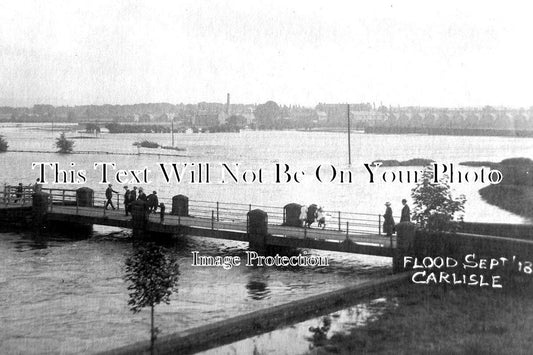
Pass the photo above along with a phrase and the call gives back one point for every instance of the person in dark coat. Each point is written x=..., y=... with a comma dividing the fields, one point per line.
x=153, y=202
x=311, y=215
x=133, y=194
x=406, y=212
x=19, y=192
x=37, y=187
x=142, y=195
x=109, y=196
x=388, y=223
x=127, y=200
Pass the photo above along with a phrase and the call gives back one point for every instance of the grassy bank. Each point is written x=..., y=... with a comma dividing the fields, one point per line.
x=439, y=320
x=513, y=198
x=515, y=192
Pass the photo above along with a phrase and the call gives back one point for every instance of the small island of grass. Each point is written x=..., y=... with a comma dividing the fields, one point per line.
x=154, y=145
x=410, y=162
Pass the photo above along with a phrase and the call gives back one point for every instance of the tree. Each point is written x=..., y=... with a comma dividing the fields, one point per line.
x=3, y=145
x=267, y=114
x=64, y=145
x=153, y=275
x=434, y=207
x=71, y=116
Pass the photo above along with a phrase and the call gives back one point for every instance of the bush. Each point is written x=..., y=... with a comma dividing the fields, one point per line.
x=3, y=145
x=434, y=206
x=64, y=145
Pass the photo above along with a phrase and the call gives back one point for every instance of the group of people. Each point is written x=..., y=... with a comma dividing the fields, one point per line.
x=130, y=196
x=389, y=227
x=310, y=214
x=19, y=191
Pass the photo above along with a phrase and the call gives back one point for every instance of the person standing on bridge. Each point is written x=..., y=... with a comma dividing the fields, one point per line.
x=321, y=217
x=127, y=200
x=406, y=212
x=37, y=187
x=109, y=196
x=303, y=215
x=18, y=194
x=388, y=223
x=142, y=195
x=153, y=202
x=133, y=194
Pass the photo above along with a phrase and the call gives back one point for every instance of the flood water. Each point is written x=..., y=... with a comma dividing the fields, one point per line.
x=66, y=294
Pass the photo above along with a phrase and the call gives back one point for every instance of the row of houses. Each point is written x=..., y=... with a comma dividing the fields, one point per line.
x=468, y=118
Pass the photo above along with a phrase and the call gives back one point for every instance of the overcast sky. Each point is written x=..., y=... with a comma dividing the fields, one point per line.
x=458, y=53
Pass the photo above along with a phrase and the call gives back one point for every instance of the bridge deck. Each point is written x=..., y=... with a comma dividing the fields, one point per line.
x=235, y=230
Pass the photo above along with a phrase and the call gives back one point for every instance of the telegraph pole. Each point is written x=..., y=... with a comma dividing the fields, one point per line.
x=172, y=131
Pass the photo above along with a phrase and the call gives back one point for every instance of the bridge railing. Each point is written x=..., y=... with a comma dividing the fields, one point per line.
x=66, y=197
x=16, y=195
x=347, y=222
x=354, y=223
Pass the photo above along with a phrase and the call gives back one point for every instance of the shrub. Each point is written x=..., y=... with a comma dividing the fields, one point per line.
x=64, y=145
x=434, y=206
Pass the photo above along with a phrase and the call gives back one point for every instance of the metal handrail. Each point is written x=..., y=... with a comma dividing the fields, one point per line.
x=215, y=210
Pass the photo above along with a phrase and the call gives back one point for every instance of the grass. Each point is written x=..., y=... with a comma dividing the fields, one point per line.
x=513, y=198
x=440, y=320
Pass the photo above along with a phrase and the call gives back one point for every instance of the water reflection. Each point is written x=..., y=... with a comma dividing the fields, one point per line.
x=302, y=337
x=320, y=333
x=35, y=242
x=76, y=285
x=258, y=290
x=151, y=272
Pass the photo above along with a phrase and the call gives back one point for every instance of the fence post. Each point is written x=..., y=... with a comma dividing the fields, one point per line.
x=212, y=220
x=339, y=214
x=305, y=232
x=105, y=208
x=379, y=224
x=217, y=211
x=249, y=207
x=347, y=229
x=118, y=201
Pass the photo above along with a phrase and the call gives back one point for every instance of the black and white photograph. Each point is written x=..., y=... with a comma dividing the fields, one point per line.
x=266, y=177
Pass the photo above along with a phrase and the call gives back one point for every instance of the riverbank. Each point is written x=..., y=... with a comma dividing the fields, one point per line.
x=515, y=192
x=513, y=198
x=459, y=320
